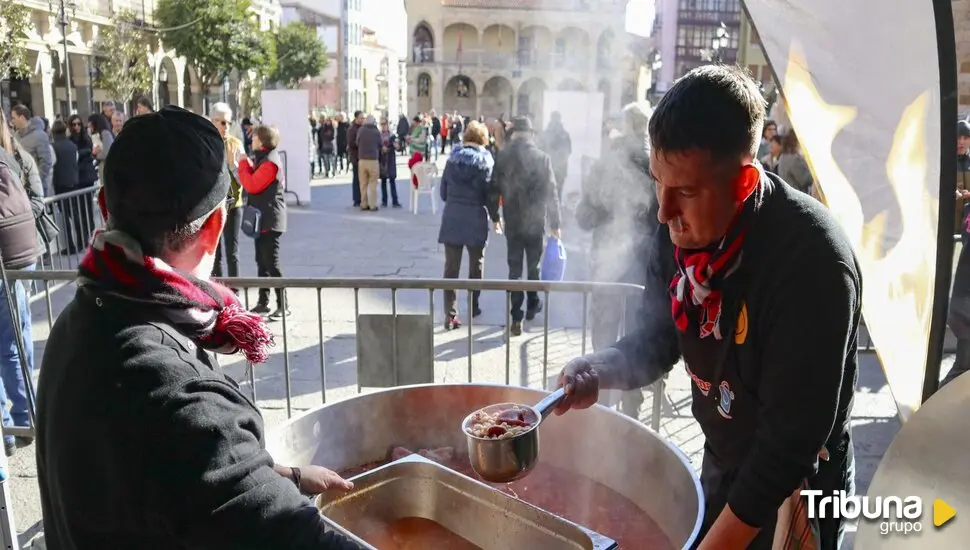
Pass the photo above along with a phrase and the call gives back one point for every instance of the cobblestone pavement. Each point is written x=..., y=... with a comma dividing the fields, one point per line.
x=330, y=239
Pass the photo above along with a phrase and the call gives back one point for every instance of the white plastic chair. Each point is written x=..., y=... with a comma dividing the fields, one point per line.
x=426, y=172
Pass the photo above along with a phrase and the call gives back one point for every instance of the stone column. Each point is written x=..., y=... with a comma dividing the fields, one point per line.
x=84, y=88
x=438, y=88
x=180, y=82
x=45, y=65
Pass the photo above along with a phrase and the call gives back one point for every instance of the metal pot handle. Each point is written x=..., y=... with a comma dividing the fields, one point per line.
x=549, y=402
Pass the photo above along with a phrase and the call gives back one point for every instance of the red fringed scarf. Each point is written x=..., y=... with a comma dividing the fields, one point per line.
x=205, y=311
x=696, y=288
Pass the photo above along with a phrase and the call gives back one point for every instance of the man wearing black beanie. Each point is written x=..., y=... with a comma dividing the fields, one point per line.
x=179, y=459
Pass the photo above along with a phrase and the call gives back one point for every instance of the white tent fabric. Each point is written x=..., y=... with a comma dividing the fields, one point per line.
x=862, y=83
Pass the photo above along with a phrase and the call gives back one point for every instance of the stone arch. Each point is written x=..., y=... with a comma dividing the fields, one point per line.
x=497, y=97
x=604, y=87
x=461, y=94
x=460, y=44
x=572, y=48
x=604, y=50
x=423, y=43
x=166, y=83
x=535, y=46
x=425, y=87
x=530, y=99
x=571, y=85
x=499, y=43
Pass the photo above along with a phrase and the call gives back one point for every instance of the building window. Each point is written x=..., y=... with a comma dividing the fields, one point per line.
x=695, y=41
x=424, y=85
x=713, y=11
x=423, y=45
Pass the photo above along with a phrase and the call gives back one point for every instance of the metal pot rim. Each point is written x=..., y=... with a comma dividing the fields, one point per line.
x=679, y=454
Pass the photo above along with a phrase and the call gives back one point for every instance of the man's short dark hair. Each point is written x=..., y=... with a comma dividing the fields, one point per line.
x=358, y=113
x=146, y=103
x=59, y=128
x=715, y=108
x=21, y=111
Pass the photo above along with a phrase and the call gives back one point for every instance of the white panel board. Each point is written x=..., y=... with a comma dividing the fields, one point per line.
x=288, y=111
x=582, y=117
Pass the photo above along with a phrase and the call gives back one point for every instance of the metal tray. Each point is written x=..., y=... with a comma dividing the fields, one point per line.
x=417, y=487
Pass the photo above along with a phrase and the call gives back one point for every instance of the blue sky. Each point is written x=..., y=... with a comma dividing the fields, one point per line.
x=390, y=22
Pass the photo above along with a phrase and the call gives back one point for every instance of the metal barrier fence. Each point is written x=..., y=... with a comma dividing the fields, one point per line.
x=77, y=216
x=581, y=291
x=299, y=290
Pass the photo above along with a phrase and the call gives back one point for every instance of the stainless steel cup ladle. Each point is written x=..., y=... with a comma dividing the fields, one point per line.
x=508, y=459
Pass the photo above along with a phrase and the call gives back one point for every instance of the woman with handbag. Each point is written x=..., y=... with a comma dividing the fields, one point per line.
x=264, y=218
x=13, y=390
x=17, y=157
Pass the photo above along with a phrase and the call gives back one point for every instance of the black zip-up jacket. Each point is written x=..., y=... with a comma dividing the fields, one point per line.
x=779, y=387
x=65, y=167
x=178, y=461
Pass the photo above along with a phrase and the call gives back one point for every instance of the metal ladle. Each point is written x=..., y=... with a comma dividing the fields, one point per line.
x=508, y=459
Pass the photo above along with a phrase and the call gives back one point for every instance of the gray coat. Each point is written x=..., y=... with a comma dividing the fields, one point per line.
x=793, y=168
x=464, y=187
x=34, y=139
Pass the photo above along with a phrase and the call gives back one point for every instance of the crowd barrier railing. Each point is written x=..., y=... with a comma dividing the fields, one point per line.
x=299, y=291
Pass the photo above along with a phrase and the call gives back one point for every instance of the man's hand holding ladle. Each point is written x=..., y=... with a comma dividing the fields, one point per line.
x=582, y=384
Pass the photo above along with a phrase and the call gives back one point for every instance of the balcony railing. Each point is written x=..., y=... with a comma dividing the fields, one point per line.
x=523, y=59
x=712, y=17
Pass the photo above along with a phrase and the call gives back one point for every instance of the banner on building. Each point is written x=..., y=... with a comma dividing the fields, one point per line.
x=871, y=93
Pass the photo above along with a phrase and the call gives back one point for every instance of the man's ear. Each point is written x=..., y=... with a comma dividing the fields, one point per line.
x=212, y=230
x=747, y=181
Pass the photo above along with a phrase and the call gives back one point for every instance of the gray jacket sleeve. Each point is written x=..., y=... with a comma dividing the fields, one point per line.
x=652, y=349
x=38, y=146
x=106, y=140
x=552, y=193
x=31, y=178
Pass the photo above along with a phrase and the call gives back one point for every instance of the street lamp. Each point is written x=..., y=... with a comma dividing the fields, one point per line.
x=63, y=8
x=721, y=41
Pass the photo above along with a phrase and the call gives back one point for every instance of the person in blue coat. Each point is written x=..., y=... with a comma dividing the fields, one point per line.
x=464, y=223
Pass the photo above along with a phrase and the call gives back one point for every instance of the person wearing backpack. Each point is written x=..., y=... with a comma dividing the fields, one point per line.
x=19, y=249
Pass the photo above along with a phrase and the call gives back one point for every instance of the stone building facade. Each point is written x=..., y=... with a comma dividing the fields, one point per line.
x=44, y=90
x=495, y=57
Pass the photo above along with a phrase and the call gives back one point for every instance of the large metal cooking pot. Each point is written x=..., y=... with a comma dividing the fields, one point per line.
x=598, y=443
x=928, y=459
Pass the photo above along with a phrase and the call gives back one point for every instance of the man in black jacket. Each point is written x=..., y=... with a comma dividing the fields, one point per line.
x=524, y=179
x=179, y=461
x=756, y=286
x=65, y=181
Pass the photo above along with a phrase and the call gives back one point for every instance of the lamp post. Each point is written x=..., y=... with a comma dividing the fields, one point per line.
x=63, y=7
x=721, y=41
x=655, y=67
